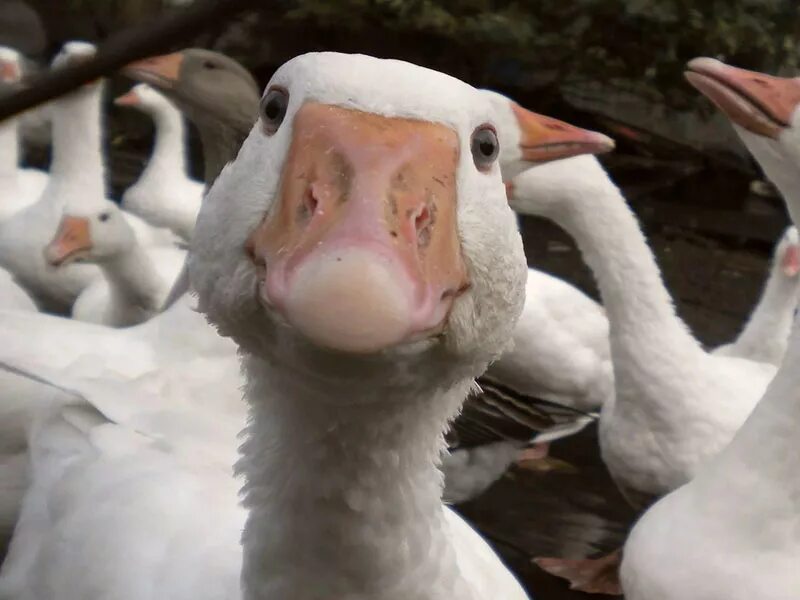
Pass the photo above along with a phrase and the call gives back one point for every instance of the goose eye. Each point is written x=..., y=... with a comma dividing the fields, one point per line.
x=273, y=109
x=209, y=65
x=104, y=217
x=485, y=147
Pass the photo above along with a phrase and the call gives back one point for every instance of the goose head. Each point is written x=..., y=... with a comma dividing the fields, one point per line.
x=363, y=224
x=10, y=66
x=787, y=253
x=765, y=115
x=73, y=53
x=92, y=234
x=206, y=85
x=529, y=138
x=145, y=98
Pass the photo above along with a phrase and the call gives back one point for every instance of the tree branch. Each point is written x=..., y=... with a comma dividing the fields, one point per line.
x=154, y=37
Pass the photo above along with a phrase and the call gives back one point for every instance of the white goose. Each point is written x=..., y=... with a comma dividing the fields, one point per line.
x=734, y=531
x=429, y=292
x=675, y=405
x=766, y=334
x=76, y=173
x=164, y=194
x=136, y=280
x=19, y=187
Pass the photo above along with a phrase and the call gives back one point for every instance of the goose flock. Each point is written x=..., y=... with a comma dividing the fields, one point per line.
x=270, y=384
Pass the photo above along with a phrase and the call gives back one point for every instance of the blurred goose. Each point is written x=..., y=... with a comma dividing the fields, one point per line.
x=217, y=94
x=136, y=279
x=164, y=194
x=675, y=405
x=76, y=174
x=734, y=531
x=427, y=303
x=19, y=187
x=766, y=334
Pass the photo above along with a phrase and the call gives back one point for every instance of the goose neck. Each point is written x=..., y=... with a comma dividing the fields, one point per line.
x=169, y=153
x=345, y=499
x=9, y=150
x=133, y=279
x=639, y=307
x=77, y=138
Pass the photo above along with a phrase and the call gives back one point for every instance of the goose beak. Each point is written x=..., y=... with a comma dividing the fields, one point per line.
x=544, y=139
x=160, y=71
x=71, y=242
x=361, y=250
x=9, y=72
x=130, y=98
x=761, y=104
x=790, y=262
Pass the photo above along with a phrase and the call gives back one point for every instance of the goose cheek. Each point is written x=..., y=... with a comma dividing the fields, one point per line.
x=362, y=250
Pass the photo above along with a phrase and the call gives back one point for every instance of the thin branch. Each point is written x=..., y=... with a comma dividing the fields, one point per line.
x=155, y=37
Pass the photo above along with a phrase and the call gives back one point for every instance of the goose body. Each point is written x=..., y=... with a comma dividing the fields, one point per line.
x=12, y=296
x=361, y=408
x=675, y=405
x=136, y=279
x=164, y=194
x=732, y=532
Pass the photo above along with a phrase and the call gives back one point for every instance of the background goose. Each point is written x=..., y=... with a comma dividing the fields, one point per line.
x=19, y=187
x=732, y=532
x=164, y=194
x=376, y=496
x=75, y=171
x=674, y=405
x=766, y=334
x=136, y=279
x=217, y=94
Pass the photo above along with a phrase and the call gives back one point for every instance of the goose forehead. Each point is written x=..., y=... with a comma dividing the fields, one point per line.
x=387, y=87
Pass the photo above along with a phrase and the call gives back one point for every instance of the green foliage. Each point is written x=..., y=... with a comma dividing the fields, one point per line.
x=637, y=43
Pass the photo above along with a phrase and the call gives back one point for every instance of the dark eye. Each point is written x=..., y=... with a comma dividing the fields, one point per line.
x=485, y=147
x=209, y=65
x=273, y=109
x=104, y=217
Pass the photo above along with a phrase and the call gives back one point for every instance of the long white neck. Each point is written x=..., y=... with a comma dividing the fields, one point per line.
x=758, y=470
x=9, y=150
x=345, y=500
x=134, y=282
x=169, y=153
x=765, y=334
x=645, y=328
x=77, y=142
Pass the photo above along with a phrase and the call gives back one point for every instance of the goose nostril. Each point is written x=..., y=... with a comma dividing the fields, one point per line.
x=308, y=207
x=423, y=222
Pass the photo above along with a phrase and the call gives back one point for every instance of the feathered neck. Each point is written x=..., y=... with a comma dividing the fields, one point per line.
x=757, y=472
x=643, y=321
x=764, y=336
x=169, y=151
x=9, y=150
x=345, y=499
x=77, y=141
x=133, y=280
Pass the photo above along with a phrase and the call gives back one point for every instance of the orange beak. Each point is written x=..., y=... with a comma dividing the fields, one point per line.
x=761, y=104
x=790, y=262
x=360, y=251
x=9, y=72
x=130, y=98
x=161, y=71
x=544, y=138
x=71, y=242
